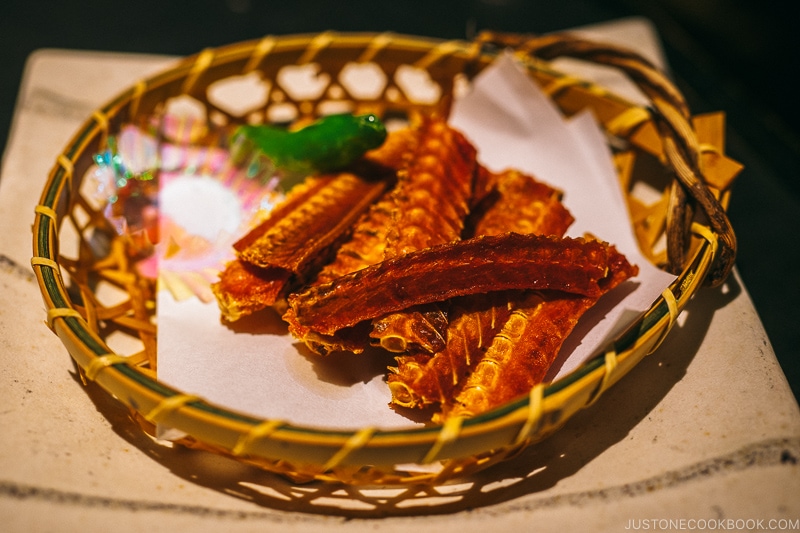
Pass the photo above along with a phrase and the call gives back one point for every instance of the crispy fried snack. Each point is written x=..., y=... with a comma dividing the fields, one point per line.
x=518, y=202
x=435, y=166
x=431, y=203
x=295, y=198
x=435, y=274
x=524, y=350
x=431, y=200
x=244, y=289
x=511, y=201
x=293, y=241
x=420, y=380
x=421, y=250
x=367, y=242
x=298, y=239
x=285, y=249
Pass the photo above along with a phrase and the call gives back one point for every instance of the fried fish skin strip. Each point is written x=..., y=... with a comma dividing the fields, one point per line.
x=511, y=201
x=438, y=273
x=297, y=196
x=365, y=247
x=431, y=203
x=522, y=353
x=377, y=164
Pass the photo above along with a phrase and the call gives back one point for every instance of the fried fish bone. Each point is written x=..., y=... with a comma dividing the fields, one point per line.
x=520, y=356
x=438, y=273
x=511, y=201
x=520, y=203
x=427, y=206
x=420, y=380
x=293, y=241
x=243, y=289
x=297, y=240
x=367, y=242
x=431, y=203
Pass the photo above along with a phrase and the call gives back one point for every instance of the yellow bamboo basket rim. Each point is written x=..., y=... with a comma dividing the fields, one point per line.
x=368, y=454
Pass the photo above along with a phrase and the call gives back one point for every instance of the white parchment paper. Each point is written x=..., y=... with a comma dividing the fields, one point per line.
x=256, y=367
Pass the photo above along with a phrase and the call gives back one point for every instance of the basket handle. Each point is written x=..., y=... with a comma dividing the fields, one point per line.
x=672, y=118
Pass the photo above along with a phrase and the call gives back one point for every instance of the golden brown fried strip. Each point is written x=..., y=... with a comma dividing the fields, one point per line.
x=243, y=289
x=427, y=206
x=299, y=239
x=432, y=201
x=365, y=246
x=367, y=243
x=292, y=242
x=511, y=201
x=522, y=353
x=420, y=380
x=435, y=274
x=520, y=203
x=297, y=196
x=430, y=205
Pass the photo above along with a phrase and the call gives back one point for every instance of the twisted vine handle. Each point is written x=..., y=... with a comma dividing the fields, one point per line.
x=672, y=118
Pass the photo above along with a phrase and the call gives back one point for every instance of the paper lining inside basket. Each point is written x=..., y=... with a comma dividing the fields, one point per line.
x=256, y=367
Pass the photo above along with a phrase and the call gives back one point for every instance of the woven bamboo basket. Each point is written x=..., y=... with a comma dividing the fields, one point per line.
x=685, y=231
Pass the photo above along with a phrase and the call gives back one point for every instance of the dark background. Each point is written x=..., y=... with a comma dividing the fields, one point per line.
x=739, y=56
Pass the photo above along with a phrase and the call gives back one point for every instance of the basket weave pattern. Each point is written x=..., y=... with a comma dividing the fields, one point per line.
x=692, y=173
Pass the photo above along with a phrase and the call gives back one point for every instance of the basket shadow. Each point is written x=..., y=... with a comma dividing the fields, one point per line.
x=587, y=435
x=537, y=468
